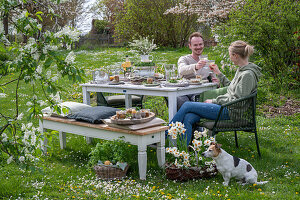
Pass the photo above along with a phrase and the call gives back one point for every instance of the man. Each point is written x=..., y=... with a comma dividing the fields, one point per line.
x=190, y=65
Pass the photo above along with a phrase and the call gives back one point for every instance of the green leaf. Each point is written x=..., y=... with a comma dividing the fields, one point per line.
x=40, y=18
x=48, y=62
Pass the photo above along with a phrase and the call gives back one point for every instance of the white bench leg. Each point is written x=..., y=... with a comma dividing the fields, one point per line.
x=88, y=140
x=44, y=142
x=160, y=151
x=44, y=145
x=62, y=139
x=142, y=160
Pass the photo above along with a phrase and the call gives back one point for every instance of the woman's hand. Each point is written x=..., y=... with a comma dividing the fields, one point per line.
x=200, y=64
x=208, y=101
x=215, y=68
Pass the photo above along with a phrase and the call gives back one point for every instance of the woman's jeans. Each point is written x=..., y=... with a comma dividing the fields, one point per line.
x=192, y=112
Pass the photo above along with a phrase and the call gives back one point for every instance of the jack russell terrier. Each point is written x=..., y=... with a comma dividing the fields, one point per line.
x=231, y=167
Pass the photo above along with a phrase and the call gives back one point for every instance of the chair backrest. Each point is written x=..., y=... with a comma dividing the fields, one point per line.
x=241, y=113
x=101, y=101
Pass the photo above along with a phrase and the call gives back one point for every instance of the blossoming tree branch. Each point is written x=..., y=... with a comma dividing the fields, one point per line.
x=38, y=64
x=211, y=11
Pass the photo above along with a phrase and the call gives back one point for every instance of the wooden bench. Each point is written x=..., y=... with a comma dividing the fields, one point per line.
x=141, y=138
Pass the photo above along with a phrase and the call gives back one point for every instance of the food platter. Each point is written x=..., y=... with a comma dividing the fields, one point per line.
x=116, y=83
x=180, y=84
x=129, y=121
x=152, y=85
x=195, y=83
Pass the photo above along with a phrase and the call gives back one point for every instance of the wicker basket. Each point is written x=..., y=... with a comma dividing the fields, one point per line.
x=107, y=172
x=180, y=174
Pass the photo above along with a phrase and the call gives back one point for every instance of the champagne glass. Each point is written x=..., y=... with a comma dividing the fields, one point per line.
x=211, y=62
x=203, y=57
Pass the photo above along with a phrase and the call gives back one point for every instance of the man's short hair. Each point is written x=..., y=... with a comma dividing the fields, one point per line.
x=195, y=34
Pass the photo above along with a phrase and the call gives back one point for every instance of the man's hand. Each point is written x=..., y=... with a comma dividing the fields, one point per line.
x=208, y=101
x=200, y=64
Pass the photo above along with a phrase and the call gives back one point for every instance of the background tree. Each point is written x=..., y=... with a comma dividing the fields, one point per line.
x=146, y=18
x=110, y=9
x=52, y=15
x=272, y=26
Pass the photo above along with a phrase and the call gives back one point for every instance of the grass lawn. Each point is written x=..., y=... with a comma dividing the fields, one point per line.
x=66, y=175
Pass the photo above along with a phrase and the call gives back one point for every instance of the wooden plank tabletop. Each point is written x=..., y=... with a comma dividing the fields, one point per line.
x=145, y=131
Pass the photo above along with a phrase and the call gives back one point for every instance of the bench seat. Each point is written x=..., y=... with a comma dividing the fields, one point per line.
x=142, y=137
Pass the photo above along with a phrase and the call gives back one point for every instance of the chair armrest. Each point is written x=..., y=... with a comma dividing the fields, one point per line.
x=240, y=99
x=210, y=94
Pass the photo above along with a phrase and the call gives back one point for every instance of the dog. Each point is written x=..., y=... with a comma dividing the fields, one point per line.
x=232, y=167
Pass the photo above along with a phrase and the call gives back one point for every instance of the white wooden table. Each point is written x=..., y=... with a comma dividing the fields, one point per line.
x=129, y=89
x=142, y=138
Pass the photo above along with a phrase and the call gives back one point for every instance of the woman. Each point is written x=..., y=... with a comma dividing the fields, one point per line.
x=243, y=84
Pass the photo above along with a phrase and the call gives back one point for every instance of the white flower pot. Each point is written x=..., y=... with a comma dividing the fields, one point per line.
x=146, y=58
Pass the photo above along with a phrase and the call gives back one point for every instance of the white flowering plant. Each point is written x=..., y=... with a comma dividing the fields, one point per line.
x=37, y=64
x=144, y=46
x=183, y=156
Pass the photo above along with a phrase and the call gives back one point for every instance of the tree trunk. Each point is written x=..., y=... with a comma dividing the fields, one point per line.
x=5, y=24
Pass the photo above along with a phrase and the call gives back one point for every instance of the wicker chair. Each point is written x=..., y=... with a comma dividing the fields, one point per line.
x=118, y=101
x=242, y=118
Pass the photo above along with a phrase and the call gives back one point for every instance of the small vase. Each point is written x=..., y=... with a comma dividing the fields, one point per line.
x=146, y=58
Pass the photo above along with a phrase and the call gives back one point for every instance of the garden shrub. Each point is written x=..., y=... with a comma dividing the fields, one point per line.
x=272, y=27
x=101, y=26
x=114, y=151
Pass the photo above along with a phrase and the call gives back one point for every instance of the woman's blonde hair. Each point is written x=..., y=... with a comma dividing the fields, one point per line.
x=241, y=48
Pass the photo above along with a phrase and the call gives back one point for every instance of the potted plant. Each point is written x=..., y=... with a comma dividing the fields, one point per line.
x=110, y=158
x=144, y=47
x=185, y=162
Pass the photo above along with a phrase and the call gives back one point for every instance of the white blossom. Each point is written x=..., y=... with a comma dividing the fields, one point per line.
x=27, y=27
x=39, y=69
x=41, y=102
x=67, y=31
x=70, y=58
x=33, y=139
x=143, y=45
x=39, y=26
x=29, y=125
x=4, y=137
x=23, y=14
x=22, y=158
x=27, y=78
x=9, y=160
x=3, y=38
x=2, y=95
x=207, y=142
x=54, y=78
x=20, y=116
x=48, y=74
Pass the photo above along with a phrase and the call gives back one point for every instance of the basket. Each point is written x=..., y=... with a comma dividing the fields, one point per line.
x=107, y=172
x=181, y=174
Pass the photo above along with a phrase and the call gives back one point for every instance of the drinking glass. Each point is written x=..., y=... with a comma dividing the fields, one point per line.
x=169, y=71
x=211, y=62
x=203, y=57
x=100, y=76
